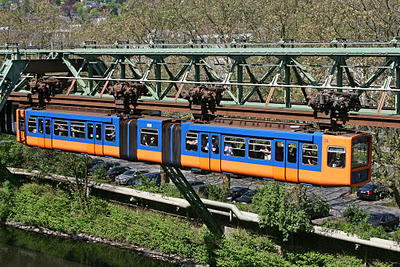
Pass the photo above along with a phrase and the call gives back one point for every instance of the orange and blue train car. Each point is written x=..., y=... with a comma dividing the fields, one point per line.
x=286, y=154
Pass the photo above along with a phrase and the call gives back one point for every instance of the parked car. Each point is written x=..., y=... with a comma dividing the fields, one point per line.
x=129, y=175
x=386, y=220
x=150, y=176
x=198, y=186
x=372, y=191
x=199, y=171
x=114, y=172
x=94, y=161
x=236, y=192
x=246, y=198
x=105, y=165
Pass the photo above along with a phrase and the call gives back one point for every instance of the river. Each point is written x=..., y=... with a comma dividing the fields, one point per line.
x=20, y=248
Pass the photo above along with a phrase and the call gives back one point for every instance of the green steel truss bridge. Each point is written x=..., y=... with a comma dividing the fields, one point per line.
x=259, y=80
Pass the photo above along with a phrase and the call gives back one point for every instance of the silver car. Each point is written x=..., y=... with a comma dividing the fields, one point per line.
x=129, y=176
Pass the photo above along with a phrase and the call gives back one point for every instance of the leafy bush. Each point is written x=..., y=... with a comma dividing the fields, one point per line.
x=279, y=208
x=354, y=214
x=245, y=249
x=6, y=195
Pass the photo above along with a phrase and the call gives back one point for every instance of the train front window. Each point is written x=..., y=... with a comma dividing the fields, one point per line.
x=336, y=157
x=360, y=153
x=310, y=154
x=61, y=128
x=191, y=142
x=77, y=129
x=31, y=125
x=110, y=133
x=259, y=149
x=149, y=137
x=234, y=146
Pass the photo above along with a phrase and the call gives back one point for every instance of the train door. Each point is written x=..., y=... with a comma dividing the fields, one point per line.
x=40, y=131
x=279, y=159
x=215, y=156
x=98, y=140
x=48, y=142
x=204, y=155
x=292, y=161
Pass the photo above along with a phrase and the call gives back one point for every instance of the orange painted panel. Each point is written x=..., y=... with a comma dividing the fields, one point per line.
x=111, y=151
x=215, y=165
x=48, y=143
x=204, y=163
x=190, y=161
x=98, y=149
x=247, y=169
x=151, y=156
x=292, y=175
x=21, y=137
x=279, y=174
x=336, y=176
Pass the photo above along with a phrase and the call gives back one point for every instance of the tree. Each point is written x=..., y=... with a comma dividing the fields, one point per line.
x=386, y=158
x=281, y=206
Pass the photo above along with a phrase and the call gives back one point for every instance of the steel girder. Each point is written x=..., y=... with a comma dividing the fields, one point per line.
x=250, y=75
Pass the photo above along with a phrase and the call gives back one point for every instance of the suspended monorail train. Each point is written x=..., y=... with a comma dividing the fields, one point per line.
x=261, y=149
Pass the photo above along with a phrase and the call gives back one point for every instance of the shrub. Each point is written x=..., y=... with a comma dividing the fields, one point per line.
x=354, y=214
x=279, y=208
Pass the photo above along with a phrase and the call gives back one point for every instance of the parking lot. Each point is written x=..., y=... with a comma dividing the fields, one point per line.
x=339, y=198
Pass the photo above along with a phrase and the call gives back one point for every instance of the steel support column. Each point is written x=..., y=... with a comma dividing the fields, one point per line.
x=190, y=195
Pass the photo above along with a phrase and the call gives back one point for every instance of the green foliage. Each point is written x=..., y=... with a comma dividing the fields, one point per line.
x=354, y=214
x=316, y=204
x=245, y=249
x=6, y=198
x=312, y=258
x=279, y=208
x=215, y=192
x=99, y=173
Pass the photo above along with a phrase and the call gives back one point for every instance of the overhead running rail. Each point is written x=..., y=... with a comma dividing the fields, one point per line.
x=268, y=76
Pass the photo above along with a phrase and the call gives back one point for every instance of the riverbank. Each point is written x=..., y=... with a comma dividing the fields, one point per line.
x=45, y=209
x=93, y=239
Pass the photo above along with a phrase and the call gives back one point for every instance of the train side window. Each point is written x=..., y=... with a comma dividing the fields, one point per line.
x=234, y=146
x=336, y=156
x=90, y=131
x=215, y=144
x=110, y=133
x=21, y=126
x=204, y=143
x=98, y=131
x=149, y=137
x=40, y=126
x=48, y=127
x=310, y=154
x=260, y=149
x=32, y=125
x=61, y=128
x=191, y=141
x=77, y=129
x=292, y=152
x=279, y=146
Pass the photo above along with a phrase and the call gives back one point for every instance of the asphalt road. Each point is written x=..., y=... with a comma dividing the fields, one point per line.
x=339, y=198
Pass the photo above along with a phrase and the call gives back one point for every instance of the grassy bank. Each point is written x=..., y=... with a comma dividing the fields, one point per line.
x=43, y=206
